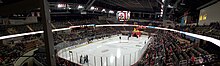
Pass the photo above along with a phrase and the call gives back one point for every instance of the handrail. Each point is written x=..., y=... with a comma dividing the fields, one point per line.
x=28, y=54
x=38, y=62
x=25, y=61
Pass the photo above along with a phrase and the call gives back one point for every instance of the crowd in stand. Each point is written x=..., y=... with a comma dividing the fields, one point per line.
x=15, y=29
x=211, y=30
x=11, y=51
x=162, y=51
x=8, y=54
x=165, y=51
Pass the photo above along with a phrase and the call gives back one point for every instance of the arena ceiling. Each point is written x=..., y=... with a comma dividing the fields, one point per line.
x=181, y=6
x=135, y=5
x=131, y=5
x=141, y=5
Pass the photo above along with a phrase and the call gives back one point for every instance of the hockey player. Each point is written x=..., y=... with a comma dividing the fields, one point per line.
x=87, y=59
x=129, y=34
x=81, y=59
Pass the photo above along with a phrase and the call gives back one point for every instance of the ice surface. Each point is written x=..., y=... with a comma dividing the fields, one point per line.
x=109, y=51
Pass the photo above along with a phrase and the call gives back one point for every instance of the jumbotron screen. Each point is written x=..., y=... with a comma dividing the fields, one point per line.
x=123, y=15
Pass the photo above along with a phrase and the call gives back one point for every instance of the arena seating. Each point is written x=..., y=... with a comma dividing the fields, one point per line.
x=172, y=53
x=9, y=53
x=177, y=52
x=211, y=30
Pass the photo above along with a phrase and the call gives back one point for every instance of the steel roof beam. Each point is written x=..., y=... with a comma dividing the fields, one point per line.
x=119, y=4
x=165, y=9
x=207, y=4
x=90, y=4
x=161, y=3
x=18, y=7
x=48, y=35
x=175, y=5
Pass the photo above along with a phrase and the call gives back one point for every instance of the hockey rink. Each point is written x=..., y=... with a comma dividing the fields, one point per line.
x=108, y=52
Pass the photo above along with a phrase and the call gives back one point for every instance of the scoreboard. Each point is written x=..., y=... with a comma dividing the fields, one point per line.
x=123, y=15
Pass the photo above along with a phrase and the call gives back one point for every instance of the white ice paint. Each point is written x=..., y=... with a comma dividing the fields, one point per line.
x=109, y=48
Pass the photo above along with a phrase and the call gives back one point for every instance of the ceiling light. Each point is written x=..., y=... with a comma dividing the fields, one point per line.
x=111, y=12
x=80, y=7
x=169, y=6
x=103, y=10
x=97, y=9
x=61, y=5
x=163, y=1
x=92, y=8
x=182, y=4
